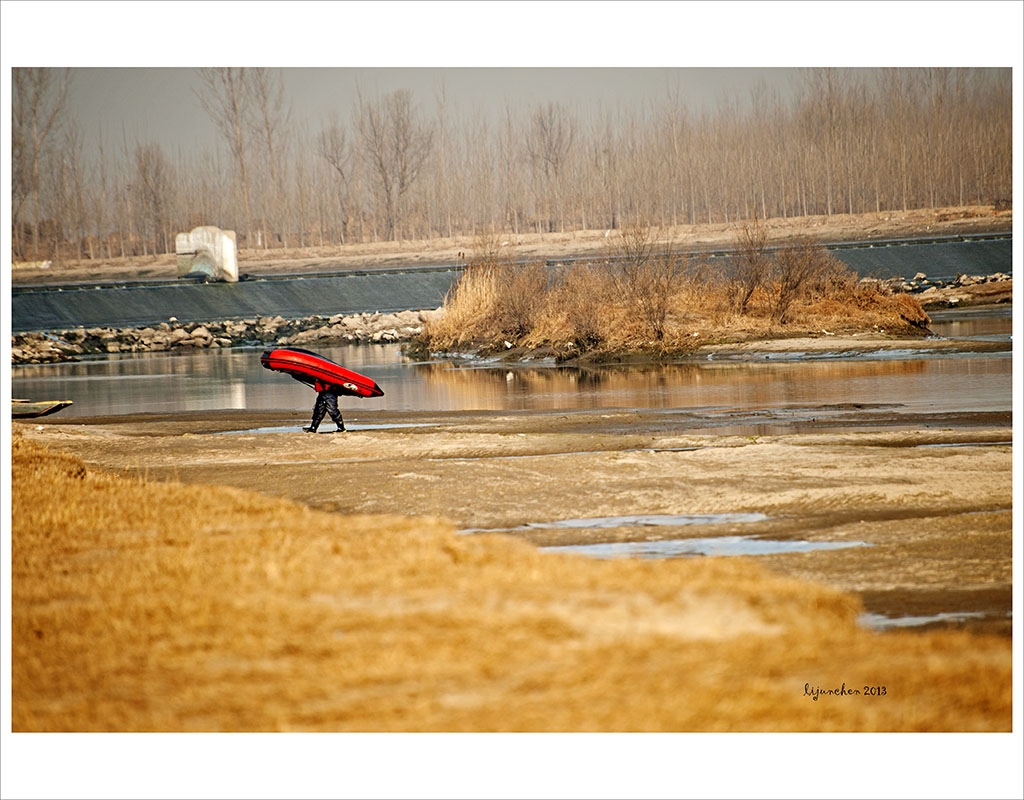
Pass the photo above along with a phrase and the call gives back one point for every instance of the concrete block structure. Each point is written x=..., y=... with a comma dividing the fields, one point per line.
x=208, y=250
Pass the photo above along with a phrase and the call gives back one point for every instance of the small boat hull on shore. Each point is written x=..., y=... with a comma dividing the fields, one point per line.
x=310, y=368
x=26, y=409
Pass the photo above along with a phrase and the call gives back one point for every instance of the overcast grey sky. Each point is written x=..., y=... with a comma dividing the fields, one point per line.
x=160, y=104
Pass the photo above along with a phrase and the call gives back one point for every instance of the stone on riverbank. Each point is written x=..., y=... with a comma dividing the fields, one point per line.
x=65, y=345
x=964, y=290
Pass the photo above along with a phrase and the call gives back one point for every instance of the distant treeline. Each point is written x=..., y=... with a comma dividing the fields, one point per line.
x=847, y=142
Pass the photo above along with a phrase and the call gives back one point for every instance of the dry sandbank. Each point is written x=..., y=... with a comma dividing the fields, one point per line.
x=176, y=603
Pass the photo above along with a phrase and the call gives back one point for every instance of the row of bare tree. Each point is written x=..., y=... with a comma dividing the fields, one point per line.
x=847, y=142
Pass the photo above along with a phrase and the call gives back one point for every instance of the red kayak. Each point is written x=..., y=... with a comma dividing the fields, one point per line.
x=312, y=369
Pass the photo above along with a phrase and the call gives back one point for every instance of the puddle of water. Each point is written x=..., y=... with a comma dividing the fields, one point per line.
x=713, y=546
x=880, y=622
x=633, y=520
x=674, y=548
x=982, y=324
x=328, y=429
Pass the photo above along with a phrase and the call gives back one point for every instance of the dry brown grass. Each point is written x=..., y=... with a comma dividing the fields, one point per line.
x=494, y=302
x=659, y=305
x=160, y=606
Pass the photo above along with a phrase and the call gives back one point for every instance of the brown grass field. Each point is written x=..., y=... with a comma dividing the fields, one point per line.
x=159, y=606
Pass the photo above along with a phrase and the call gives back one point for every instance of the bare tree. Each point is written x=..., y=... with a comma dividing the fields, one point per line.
x=851, y=141
x=225, y=95
x=509, y=173
x=151, y=189
x=269, y=121
x=607, y=160
x=899, y=99
x=300, y=195
x=332, y=145
x=75, y=180
x=39, y=99
x=548, y=144
x=395, y=146
x=752, y=264
x=443, y=181
x=101, y=210
x=271, y=115
x=824, y=109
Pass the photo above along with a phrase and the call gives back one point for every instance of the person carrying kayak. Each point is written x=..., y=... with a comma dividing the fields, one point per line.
x=326, y=377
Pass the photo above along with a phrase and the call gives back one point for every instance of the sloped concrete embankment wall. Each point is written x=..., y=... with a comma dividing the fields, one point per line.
x=296, y=297
x=397, y=290
x=938, y=260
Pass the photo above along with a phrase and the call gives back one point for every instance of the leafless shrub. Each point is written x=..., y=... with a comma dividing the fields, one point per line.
x=653, y=288
x=648, y=275
x=753, y=263
x=635, y=245
x=794, y=271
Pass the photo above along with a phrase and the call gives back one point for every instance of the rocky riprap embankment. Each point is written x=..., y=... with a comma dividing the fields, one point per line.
x=964, y=290
x=67, y=345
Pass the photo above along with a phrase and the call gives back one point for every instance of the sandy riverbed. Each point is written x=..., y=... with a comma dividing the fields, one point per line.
x=188, y=602
x=918, y=496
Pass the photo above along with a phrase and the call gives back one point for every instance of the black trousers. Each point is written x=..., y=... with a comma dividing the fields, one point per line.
x=327, y=403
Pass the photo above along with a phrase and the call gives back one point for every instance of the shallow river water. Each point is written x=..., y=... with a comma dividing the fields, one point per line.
x=917, y=381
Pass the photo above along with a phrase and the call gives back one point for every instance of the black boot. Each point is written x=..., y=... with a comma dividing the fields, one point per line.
x=331, y=407
x=318, y=413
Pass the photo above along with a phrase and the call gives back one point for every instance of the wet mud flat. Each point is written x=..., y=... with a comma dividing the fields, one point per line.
x=911, y=512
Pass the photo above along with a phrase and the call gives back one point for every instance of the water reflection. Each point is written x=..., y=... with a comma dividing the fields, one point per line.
x=921, y=383
x=190, y=381
x=981, y=324
x=226, y=379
